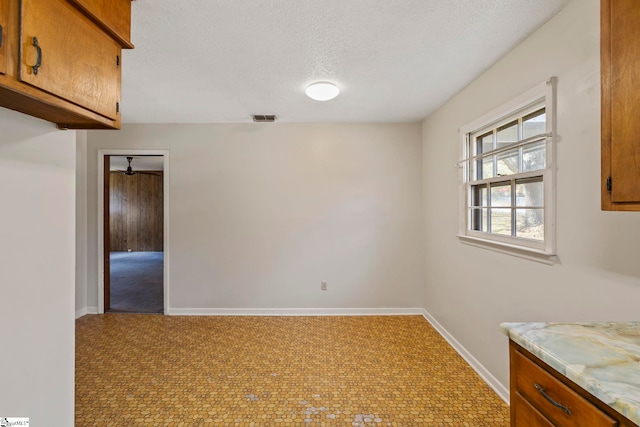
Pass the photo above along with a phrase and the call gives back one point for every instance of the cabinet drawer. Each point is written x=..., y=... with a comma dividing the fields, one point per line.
x=527, y=415
x=532, y=382
x=79, y=62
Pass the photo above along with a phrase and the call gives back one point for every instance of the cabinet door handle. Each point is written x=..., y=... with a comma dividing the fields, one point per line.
x=1, y=32
x=553, y=402
x=39, y=58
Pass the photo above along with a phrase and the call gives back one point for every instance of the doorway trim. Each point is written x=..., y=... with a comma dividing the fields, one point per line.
x=165, y=226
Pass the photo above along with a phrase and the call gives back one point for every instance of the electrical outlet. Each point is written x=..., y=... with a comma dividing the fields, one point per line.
x=323, y=286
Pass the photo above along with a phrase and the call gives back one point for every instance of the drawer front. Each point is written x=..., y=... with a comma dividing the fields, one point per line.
x=526, y=415
x=78, y=61
x=542, y=389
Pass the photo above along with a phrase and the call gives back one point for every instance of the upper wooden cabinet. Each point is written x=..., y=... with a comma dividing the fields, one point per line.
x=113, y=16
x=4, y=9
x=620, y=67
x=80, y=64
x=63, y=60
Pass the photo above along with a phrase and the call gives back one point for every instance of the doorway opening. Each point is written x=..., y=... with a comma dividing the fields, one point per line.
x=133, y=233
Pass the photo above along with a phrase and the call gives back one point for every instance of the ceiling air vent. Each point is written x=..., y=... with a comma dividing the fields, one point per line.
x=261, y=118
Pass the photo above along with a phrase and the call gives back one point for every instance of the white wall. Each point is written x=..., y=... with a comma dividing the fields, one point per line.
x=260, y=214
x=471, y=290
x=37, y=246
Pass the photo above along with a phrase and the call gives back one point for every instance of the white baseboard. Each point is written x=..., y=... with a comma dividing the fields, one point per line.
x=86, y=310
x=294, y=311
x=484, y=373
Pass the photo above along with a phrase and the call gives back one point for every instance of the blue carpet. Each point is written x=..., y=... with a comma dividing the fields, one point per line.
x=136, y=282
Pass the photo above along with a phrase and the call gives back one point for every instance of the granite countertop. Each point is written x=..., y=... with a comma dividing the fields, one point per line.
x=603, y=358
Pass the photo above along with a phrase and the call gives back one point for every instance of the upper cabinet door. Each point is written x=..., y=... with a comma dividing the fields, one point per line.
x=620, y=56
x=625, y=96
x=4, y=15
x=65, y=54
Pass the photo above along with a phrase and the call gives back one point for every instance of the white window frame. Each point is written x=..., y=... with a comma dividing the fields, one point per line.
x=544, y=251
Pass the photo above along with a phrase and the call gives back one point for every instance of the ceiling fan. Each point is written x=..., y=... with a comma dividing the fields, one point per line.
x=130, y=170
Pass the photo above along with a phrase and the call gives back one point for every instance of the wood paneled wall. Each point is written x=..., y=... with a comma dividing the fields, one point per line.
x=136, y=212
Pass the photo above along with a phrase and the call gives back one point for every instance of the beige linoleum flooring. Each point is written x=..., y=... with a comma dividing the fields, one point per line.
x=360, y=371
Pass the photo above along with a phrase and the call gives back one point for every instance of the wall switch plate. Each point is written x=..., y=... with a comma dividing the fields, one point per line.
x=323, y=286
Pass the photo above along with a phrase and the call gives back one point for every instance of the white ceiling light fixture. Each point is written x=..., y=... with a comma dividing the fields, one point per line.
x=322, y=91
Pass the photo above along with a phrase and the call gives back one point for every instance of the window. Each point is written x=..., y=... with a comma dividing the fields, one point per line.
x=507, y=189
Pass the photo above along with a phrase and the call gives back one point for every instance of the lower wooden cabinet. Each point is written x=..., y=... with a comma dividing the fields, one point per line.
x=526, y=414
x=542, y=397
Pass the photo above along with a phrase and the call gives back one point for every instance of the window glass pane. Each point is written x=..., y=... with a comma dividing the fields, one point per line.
x=486, y=142
x=530, y=223
x=507, y=162
x=530, y=193
x=478, y=220
x=507, y=134
x=501, y=221
x=479, y=195
x=501, y=194
x=487, y=167
x=534, y=156
x=534, y=124
x=474, y=166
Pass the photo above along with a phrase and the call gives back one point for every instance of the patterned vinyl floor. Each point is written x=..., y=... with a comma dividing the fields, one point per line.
x=393, y=371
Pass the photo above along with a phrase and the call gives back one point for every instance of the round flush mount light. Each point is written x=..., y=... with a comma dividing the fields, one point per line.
x=322, y=91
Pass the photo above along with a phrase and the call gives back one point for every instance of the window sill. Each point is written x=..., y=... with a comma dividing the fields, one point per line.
x=531, y=254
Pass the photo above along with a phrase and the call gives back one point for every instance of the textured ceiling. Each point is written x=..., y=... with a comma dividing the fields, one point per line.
x=207, y=61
